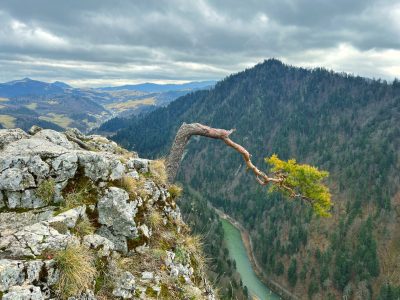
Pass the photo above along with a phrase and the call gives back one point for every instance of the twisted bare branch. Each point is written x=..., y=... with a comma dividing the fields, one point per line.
x=187, y=130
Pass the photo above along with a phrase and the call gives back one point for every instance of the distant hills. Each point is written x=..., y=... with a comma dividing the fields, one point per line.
x=57, y=105
x=347, y=125
x=29, y=87
x=158, y=88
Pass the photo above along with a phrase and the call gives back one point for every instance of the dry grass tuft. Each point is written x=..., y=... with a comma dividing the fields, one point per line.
x=193, y=244
x=46, y=190
x=155, y=219
x=157, y=169
x=77, y=270
x=175, y=191
x=84, y=227
x=133, y=186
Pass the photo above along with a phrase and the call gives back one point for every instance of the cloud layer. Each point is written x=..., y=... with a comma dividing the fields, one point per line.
x=99, y=42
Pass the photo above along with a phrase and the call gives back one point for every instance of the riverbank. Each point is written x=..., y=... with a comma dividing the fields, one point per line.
x=274, y=286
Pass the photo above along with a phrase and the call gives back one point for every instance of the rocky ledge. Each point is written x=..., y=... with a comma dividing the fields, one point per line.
x=82, y=218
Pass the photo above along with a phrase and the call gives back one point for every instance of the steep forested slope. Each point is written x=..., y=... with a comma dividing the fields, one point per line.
x=347, y=125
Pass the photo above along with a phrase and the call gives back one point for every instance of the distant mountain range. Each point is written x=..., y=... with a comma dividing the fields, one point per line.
x=159, y=88
x=58, y=105
x=29, y=87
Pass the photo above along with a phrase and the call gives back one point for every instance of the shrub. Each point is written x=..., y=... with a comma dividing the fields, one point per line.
x=46, y=190
x=77, y=269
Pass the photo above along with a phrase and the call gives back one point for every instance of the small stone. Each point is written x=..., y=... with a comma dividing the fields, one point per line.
x=147, y=276
x=103, y=245
x=124, y=286
x=34, y=129
x=141, y=165
x=145, y=230
x=134, y=174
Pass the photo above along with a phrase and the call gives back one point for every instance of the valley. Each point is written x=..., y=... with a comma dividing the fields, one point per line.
x=58, y=106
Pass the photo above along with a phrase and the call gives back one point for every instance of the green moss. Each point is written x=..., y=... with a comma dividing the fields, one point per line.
x=60, y=227
x=150, y=292
x=80, y=190
x=46, y=190
x=181, y=255
x=83, y=227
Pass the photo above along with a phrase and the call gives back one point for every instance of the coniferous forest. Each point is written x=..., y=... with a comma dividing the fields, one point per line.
x=347, y=125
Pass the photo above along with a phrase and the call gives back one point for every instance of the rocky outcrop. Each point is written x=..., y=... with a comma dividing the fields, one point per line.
x=69, y=202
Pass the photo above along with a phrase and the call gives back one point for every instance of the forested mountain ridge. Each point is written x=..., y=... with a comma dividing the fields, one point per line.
x=347, y=125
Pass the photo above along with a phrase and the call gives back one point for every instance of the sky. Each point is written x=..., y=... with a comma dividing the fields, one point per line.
x=100, y=43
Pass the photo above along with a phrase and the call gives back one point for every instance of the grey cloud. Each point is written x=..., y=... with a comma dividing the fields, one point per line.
x=189, y=40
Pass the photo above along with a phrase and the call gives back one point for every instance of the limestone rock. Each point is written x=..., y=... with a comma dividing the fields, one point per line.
x=14, y=179
x=34, y=146
x=8, y=136
x=87, y=295
x=103, y=245
x=116, y=212
x=140, y=164
x=124, y=286
x=119, y=241
x=55, y=138
x=11, y=273
x=25, y=292
x=64, y=166
x=96, y=166
x=2, y=203
x=32, y=240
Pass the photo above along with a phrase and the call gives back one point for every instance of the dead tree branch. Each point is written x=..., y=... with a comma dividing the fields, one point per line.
x=187, y=130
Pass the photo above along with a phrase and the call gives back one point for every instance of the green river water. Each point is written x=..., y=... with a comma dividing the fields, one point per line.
x=237, y=251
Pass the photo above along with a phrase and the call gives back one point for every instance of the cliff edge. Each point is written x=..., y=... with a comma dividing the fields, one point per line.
x=82, y=218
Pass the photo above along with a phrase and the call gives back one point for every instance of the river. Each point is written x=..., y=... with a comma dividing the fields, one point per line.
x=237, y=251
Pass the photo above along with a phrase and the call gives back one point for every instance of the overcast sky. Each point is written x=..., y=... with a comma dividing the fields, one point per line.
x=99, y=42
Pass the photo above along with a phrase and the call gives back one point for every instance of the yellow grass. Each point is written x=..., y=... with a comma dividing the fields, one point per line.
x=155, y=219
x=33, y=105
x=122, y=106
x=157, y=169
x=60, y=120
x=77, y=270
x=4, y=99
x=175, y=191
x=7, y=121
